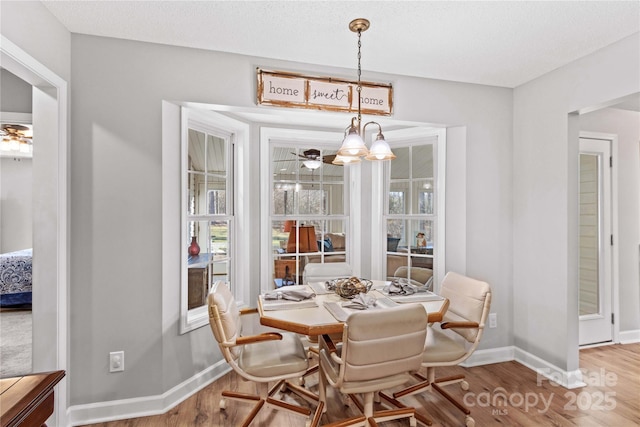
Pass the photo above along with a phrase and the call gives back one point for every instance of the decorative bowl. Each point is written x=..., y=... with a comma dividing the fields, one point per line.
x=349, y=287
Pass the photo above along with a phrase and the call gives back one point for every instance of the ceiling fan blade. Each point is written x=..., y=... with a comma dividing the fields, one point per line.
x=299, y=155
x=329, y=158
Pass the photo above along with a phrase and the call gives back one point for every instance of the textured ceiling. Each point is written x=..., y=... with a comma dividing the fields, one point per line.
x=493, y=43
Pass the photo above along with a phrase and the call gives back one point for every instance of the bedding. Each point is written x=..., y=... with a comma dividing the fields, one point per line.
x=15, y=278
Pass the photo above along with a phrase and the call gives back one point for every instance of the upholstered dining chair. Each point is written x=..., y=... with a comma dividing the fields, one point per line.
x=264, y=358
x=320, y=272
x=453, y=340
x=419, y=276
x=379, y=350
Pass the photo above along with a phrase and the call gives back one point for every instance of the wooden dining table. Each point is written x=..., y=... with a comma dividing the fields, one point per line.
x=317, y=319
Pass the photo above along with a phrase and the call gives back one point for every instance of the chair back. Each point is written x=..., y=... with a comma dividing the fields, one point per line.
x=469, y=301
x=380, y=343
x=320, y=272
x=419, y=274
x=224, y=319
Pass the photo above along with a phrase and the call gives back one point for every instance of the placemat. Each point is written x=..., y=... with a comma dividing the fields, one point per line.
x=320, y=288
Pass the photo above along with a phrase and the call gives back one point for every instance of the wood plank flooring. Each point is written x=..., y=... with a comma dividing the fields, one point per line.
x=506, y=394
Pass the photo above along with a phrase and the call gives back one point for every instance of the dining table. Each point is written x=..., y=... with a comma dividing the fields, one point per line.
x=325, y=312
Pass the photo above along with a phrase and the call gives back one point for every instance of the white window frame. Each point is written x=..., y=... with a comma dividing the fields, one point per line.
x=174, y=240
x=380, y=178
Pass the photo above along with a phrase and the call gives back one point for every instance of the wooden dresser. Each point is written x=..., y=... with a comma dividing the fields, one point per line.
x=28, y=401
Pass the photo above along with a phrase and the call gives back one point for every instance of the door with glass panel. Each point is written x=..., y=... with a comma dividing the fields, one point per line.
x=595, y=242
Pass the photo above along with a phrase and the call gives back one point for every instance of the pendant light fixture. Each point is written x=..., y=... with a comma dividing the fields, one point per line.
x=353, y=146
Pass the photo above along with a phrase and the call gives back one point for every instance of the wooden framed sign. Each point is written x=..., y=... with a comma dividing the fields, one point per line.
x=293, y=90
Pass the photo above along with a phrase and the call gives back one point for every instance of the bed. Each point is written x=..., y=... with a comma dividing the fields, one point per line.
x=15, y=278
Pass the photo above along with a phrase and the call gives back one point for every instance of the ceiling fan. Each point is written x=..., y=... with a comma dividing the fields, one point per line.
x=16, y=138
x=312, y=158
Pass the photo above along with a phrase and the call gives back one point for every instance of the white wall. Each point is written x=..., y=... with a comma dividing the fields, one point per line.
x=16, y=93
x=626, y=125
x=116, y=200
x=545, y=212
x=16, y=181
x=33, y=28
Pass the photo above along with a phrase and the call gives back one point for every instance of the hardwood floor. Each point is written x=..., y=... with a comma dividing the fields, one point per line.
x=506, y=394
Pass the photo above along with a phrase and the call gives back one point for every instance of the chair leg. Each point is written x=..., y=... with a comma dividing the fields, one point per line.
x=270, y=400
x=437, y=385
x=395, y=414
x=368, y=405
x=421, y=418
x=243, y=397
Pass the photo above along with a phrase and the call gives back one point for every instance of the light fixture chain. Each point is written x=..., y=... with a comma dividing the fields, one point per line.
x=359, y=88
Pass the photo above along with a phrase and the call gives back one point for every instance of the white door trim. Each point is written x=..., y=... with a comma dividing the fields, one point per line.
x=615, y=288
x=26, y=67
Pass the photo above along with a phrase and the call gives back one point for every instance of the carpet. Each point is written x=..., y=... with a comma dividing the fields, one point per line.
x=15, y=343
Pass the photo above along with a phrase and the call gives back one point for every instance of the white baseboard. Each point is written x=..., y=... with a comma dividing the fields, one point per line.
x=491, y=355
x=567, y=379
x=145, y=406
x=629, y=337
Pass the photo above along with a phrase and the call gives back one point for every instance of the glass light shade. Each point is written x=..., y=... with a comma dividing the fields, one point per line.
x=14, y=144
x=25, y=147
x=380, y=150
x=353, y=145
x=312, y=164
x=5, y=145
x=345, y=160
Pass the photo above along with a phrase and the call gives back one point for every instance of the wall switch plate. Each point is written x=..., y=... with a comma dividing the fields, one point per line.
x=493, y=320
x=116, y=361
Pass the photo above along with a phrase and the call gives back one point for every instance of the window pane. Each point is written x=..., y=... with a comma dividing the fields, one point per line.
x=196, y=149
x=422, y=197
x=397, y=255
x=426, y=199
x=312, y=201
x=334, y=194
x=283, y=199
x=220, y=239
x=217, y=196
x=192, y=179
x=400, y=165
x=216, y=155
x=422, y=244
x=280, y=235
x=285, y=164
x=396, y=202
x=422, y=161
x=200, y=231
x=331, y=172
x=395, y=234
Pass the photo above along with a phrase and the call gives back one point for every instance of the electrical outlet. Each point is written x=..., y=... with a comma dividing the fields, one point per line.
x=493, y=320
x=116, y=361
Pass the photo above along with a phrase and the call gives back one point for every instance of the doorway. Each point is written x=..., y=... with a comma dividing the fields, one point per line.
x=596, y=240
x=50, y=210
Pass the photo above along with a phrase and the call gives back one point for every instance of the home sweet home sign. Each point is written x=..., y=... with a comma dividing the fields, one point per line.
x=293, y=90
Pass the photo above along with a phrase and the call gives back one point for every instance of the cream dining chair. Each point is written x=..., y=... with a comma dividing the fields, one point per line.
x=267, y=357
x=380, y=349
x=321, y=272
x=453, y=340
